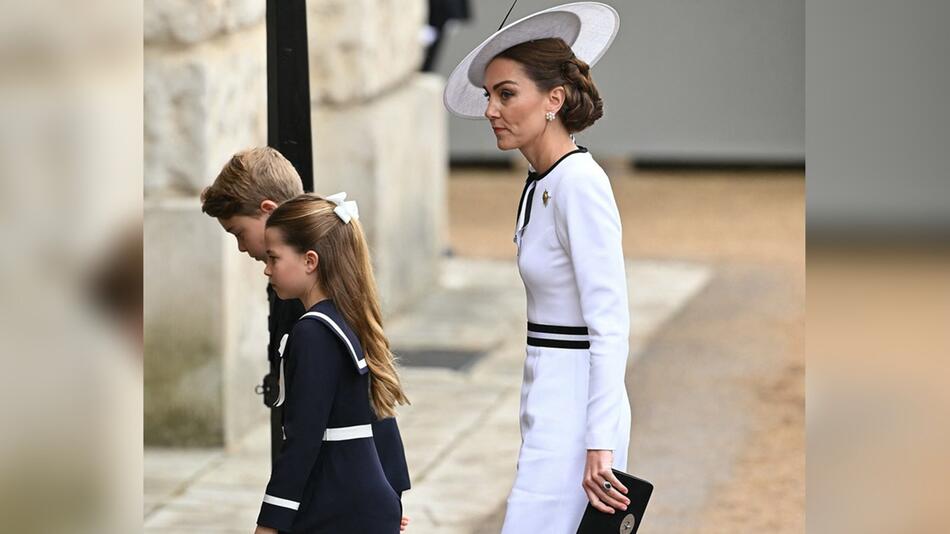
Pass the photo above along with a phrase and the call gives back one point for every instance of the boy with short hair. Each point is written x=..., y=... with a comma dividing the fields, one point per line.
x=248, y=188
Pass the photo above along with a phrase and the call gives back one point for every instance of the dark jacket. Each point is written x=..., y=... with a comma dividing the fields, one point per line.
x=283, y=316
x=328, y=477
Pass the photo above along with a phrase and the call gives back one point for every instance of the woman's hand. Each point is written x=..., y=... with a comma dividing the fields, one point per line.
x=265, y=530
x=403, y=524
x=596, y=472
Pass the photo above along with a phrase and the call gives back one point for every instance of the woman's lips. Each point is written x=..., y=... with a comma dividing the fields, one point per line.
x=498, y=130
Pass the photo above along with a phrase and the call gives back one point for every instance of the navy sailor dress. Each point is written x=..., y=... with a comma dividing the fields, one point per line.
x=283, y=316
x=328, y=477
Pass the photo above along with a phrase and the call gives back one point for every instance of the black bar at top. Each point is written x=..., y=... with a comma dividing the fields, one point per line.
x=288, y=85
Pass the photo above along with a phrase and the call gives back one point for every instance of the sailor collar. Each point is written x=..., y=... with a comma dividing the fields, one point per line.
x=326, y=312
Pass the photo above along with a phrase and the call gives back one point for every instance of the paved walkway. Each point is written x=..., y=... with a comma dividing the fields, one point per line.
x=461, y=432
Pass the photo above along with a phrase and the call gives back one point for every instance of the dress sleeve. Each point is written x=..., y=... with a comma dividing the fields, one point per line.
x=587, y=224
x=317, y=360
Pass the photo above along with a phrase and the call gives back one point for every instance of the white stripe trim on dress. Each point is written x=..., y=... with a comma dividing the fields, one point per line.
x=281, y=389
x=359, y=362
x=566, y=337
x=344, y=433
x=283, y=503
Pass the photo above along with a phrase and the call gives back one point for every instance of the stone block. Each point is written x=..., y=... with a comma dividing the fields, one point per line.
x=361, y=48
x=202, y=104
x=205, y=329
x=390, y=156
x=193, y=21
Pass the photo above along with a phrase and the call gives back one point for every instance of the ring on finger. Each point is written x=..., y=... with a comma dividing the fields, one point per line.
x=607, y=485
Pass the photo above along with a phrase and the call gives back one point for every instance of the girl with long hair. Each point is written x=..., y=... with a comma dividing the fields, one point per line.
x=339, y=375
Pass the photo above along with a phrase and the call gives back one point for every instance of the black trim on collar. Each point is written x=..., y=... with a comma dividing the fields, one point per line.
x=534, y=177
x=578, y=150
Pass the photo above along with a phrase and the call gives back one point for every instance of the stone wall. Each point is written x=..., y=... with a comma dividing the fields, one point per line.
x=390, y=155
x=379, y=133
x=361, y=48
x=205, y=305
x=206, y=334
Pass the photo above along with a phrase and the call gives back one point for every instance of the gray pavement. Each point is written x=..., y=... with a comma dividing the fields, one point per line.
x=461, y=431
x=695, y=394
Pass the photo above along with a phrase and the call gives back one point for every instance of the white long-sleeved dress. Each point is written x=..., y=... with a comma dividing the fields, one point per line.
x=573, y=396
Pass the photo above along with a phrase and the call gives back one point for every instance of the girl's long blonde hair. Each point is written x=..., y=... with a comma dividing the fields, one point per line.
x=345, y=274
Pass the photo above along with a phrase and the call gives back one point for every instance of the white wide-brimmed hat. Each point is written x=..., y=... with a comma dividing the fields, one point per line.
x=587, y=27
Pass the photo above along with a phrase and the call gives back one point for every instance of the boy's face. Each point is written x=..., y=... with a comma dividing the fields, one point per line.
x=249, y=230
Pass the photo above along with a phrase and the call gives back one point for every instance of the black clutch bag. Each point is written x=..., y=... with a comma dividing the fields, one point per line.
x=626, y=522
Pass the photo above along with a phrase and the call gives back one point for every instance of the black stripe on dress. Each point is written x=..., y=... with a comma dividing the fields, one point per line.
x=558, y=343
x=553, y=329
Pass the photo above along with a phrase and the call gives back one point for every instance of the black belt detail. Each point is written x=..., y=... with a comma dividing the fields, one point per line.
x=557, y=343
x=553, y=329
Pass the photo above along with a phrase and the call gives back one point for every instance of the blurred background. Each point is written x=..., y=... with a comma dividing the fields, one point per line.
x=877, y=132
x=684, y=82
x=703, y=138
x=135, y=332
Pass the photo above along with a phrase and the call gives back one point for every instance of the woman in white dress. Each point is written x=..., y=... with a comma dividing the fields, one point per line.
x=536, y=91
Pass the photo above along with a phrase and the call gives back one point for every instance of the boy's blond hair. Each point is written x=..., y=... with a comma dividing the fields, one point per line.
x=250, y=177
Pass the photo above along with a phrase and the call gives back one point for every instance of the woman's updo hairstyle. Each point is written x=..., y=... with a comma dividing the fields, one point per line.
x=551, y=62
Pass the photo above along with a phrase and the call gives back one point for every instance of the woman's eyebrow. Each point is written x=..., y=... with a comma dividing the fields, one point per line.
x=497, y=85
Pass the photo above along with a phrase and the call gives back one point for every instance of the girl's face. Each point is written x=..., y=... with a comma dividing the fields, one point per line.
x=515, y=106
x=291, y=273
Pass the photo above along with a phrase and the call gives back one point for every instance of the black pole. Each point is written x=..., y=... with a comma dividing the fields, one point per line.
x=288, y=85
x=288, y=131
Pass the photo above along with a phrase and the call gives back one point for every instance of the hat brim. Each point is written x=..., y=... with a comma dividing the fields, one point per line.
x=587, y=27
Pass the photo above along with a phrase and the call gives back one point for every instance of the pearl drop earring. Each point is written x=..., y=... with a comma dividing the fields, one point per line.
x=549, y=116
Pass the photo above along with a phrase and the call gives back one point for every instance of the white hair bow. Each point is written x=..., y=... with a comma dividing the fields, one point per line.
x=345, y=209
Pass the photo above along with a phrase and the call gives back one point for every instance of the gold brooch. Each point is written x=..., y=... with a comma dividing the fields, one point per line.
x=545, y=197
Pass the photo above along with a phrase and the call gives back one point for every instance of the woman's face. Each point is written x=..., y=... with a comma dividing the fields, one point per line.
x=291, y=273
x=515, y=106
